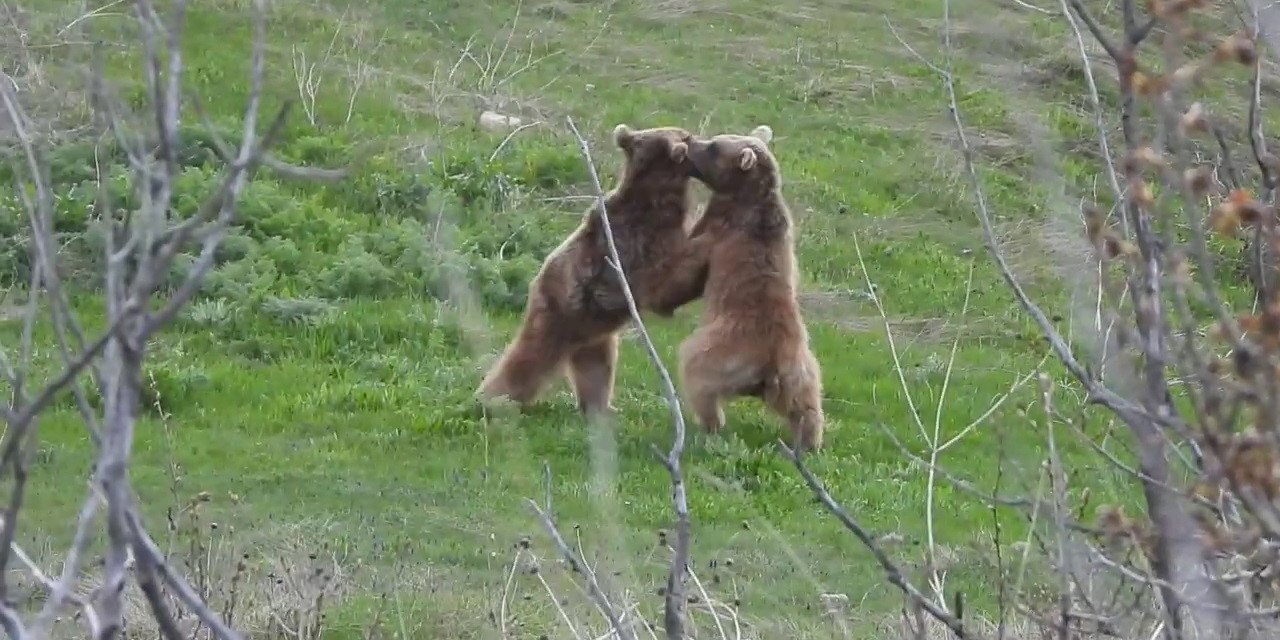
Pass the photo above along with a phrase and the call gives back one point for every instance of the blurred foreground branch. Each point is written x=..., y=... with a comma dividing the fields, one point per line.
x=674, y=594
x=1195, y=380
x=141, y=246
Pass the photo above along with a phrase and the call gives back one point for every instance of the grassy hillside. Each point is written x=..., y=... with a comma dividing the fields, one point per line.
x=319, y=391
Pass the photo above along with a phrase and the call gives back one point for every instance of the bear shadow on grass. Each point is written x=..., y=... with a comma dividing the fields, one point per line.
x=749, y=432
x=741, y=425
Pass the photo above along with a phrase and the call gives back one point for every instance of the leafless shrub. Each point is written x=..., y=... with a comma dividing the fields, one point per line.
x=348, y=51
x=1189, y=379
x=141, y=246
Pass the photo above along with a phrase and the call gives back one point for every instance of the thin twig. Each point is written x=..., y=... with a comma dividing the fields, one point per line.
x=1098, y=392
x=892, y=571
x=578, y=564
x=676, y=577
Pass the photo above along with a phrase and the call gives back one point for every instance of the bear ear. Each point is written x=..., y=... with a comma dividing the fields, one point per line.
x=679, y=151
x=763, y=133
x=747, y=159
x=623, y=136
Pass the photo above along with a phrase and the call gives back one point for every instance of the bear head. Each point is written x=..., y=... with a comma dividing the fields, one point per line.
x=729, y=163
x=656, y=158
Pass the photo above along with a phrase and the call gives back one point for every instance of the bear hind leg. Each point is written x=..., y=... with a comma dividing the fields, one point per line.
x=710, y=374
x=706, y=403
x=591, y=372
x=526, y=368
x=795, y=394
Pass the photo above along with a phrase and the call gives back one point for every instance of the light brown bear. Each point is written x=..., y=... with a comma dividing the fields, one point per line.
x=752, y=339
x=576, y=306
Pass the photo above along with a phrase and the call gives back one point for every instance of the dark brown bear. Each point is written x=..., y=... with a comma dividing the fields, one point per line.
x=576, y=306
x=752, y=340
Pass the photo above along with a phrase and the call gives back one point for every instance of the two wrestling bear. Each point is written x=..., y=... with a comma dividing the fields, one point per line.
x=739, y=257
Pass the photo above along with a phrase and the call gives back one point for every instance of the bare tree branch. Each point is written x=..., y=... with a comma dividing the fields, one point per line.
x=1177, y=395
x=1098, y=392
x=893, y=573
x=677, y=576
x=138, y=255
x=578, y=564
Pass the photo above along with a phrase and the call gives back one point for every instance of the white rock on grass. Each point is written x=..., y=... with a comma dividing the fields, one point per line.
x=494, y=121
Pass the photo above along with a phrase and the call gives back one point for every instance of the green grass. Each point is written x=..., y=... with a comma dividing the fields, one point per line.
x=324, y=378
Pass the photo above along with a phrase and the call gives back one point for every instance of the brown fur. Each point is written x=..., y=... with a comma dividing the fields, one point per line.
x=752, y=340
x=576, y=305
